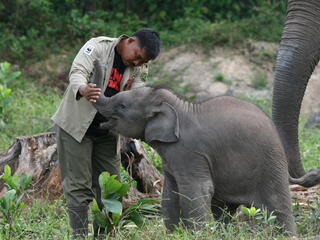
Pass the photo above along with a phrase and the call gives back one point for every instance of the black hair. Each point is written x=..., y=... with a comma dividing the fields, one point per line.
x=149, y=40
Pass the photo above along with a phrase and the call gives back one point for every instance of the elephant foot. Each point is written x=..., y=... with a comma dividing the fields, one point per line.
x=311, y=178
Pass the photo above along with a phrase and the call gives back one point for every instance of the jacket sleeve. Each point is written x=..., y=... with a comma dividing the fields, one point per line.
x=141, y=74
x=82, y=66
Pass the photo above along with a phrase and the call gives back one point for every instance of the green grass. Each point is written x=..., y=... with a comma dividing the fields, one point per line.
x=48, y=220
x=260, y=80
x=28, y=112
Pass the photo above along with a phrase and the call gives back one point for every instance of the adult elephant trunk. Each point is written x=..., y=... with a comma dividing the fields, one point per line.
x=298, y=55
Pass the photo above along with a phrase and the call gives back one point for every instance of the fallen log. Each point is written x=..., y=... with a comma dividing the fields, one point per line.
x=36, y=156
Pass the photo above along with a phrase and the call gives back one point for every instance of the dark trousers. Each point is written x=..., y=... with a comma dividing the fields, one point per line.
x=82, y=163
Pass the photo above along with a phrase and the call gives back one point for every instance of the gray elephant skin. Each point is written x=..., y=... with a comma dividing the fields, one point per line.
x=217, y=154
x=298, y=54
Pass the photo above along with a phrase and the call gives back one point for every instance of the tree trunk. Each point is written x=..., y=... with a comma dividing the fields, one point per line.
x=36, y=156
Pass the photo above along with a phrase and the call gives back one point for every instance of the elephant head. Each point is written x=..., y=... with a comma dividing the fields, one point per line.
x=298, y=54
x=133, y=114
x=141, y=113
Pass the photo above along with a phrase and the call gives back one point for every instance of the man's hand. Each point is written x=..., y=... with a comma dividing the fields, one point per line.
x=90, y=92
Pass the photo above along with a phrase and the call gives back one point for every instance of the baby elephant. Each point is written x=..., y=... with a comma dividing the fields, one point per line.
x=216, y=155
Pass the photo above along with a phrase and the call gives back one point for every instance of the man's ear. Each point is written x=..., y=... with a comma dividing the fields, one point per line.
x=131, y=40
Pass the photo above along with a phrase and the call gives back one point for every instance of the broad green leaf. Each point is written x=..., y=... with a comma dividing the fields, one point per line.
x=136, y=218
x=245, y=210
x=252, y=211
x=5, y=67
x=148, y=207
x=24, y=181
x=101, y=219
x=103, y=178
x=113, y=205
x=123, y=189
x=125, y=222
x=111, y=186
x=6, y=173
x=11, y=194
x=116, y=218
x=147, y=201
x=94, y=207
x=11, y=76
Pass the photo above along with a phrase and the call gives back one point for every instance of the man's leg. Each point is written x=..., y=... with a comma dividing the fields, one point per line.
x=76, y=176
x=104, y=158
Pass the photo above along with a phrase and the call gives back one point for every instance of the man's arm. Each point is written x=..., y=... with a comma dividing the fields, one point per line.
x=81, y=70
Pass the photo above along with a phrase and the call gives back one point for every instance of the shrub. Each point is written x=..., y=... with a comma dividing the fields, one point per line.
x=11, y=203
x=112, y=216
x=6, y=76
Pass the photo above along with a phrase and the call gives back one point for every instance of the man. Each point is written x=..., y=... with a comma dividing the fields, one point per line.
x=84, y=149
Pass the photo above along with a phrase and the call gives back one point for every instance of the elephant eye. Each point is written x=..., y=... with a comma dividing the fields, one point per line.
x=122, y=106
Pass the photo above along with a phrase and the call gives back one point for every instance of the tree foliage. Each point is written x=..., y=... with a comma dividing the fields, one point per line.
x=30, y=27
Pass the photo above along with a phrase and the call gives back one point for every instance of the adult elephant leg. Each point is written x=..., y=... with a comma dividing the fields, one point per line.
x=170, y=202
x=195, y=201
x=297, y=57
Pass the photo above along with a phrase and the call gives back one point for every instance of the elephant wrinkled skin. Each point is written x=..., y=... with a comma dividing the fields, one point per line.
x=220, y=153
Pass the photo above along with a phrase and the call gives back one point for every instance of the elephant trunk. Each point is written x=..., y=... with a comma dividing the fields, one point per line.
x=102, y=101
x=310, y=179
x=297, y=57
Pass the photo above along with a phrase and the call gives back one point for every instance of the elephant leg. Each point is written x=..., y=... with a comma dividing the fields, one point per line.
x=170, y=202
x=222, y=210
x=195, y=202
x=278, y=202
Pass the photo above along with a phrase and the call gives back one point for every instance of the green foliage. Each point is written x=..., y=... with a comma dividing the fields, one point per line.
x=112, y=216
x=258, y=215
x=306, y=220
x=29, y=111
x=153, y=156
x=34, y=28
x=309, y=141
x=219, y=77
x=6, y=77
x=11, y=203
x=263, y=103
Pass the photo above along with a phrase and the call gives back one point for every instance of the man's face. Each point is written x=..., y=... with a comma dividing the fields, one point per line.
x=132, y=55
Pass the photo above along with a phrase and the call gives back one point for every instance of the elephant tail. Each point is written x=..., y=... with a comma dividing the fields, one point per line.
x=311, y=178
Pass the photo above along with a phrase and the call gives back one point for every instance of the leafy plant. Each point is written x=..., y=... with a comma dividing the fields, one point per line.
x=6, y=76
x=258, y=215
x=11, y=203
x=219, y=77
x=112, y=216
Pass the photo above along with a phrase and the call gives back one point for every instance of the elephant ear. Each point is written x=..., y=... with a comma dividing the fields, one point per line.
x=163, y=124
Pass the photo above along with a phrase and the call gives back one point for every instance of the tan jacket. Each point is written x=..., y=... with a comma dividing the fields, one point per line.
x=74, y=116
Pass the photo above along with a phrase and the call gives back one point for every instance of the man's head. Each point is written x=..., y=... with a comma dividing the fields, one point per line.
x=142, y=46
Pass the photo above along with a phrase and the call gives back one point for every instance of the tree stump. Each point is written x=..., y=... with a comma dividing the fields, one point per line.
x=37, y=156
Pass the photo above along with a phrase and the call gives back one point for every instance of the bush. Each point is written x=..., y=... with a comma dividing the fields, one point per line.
x=11, y=203
x=112, y=216
x=29, y=111
x=34, y=28
x=6, y=76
